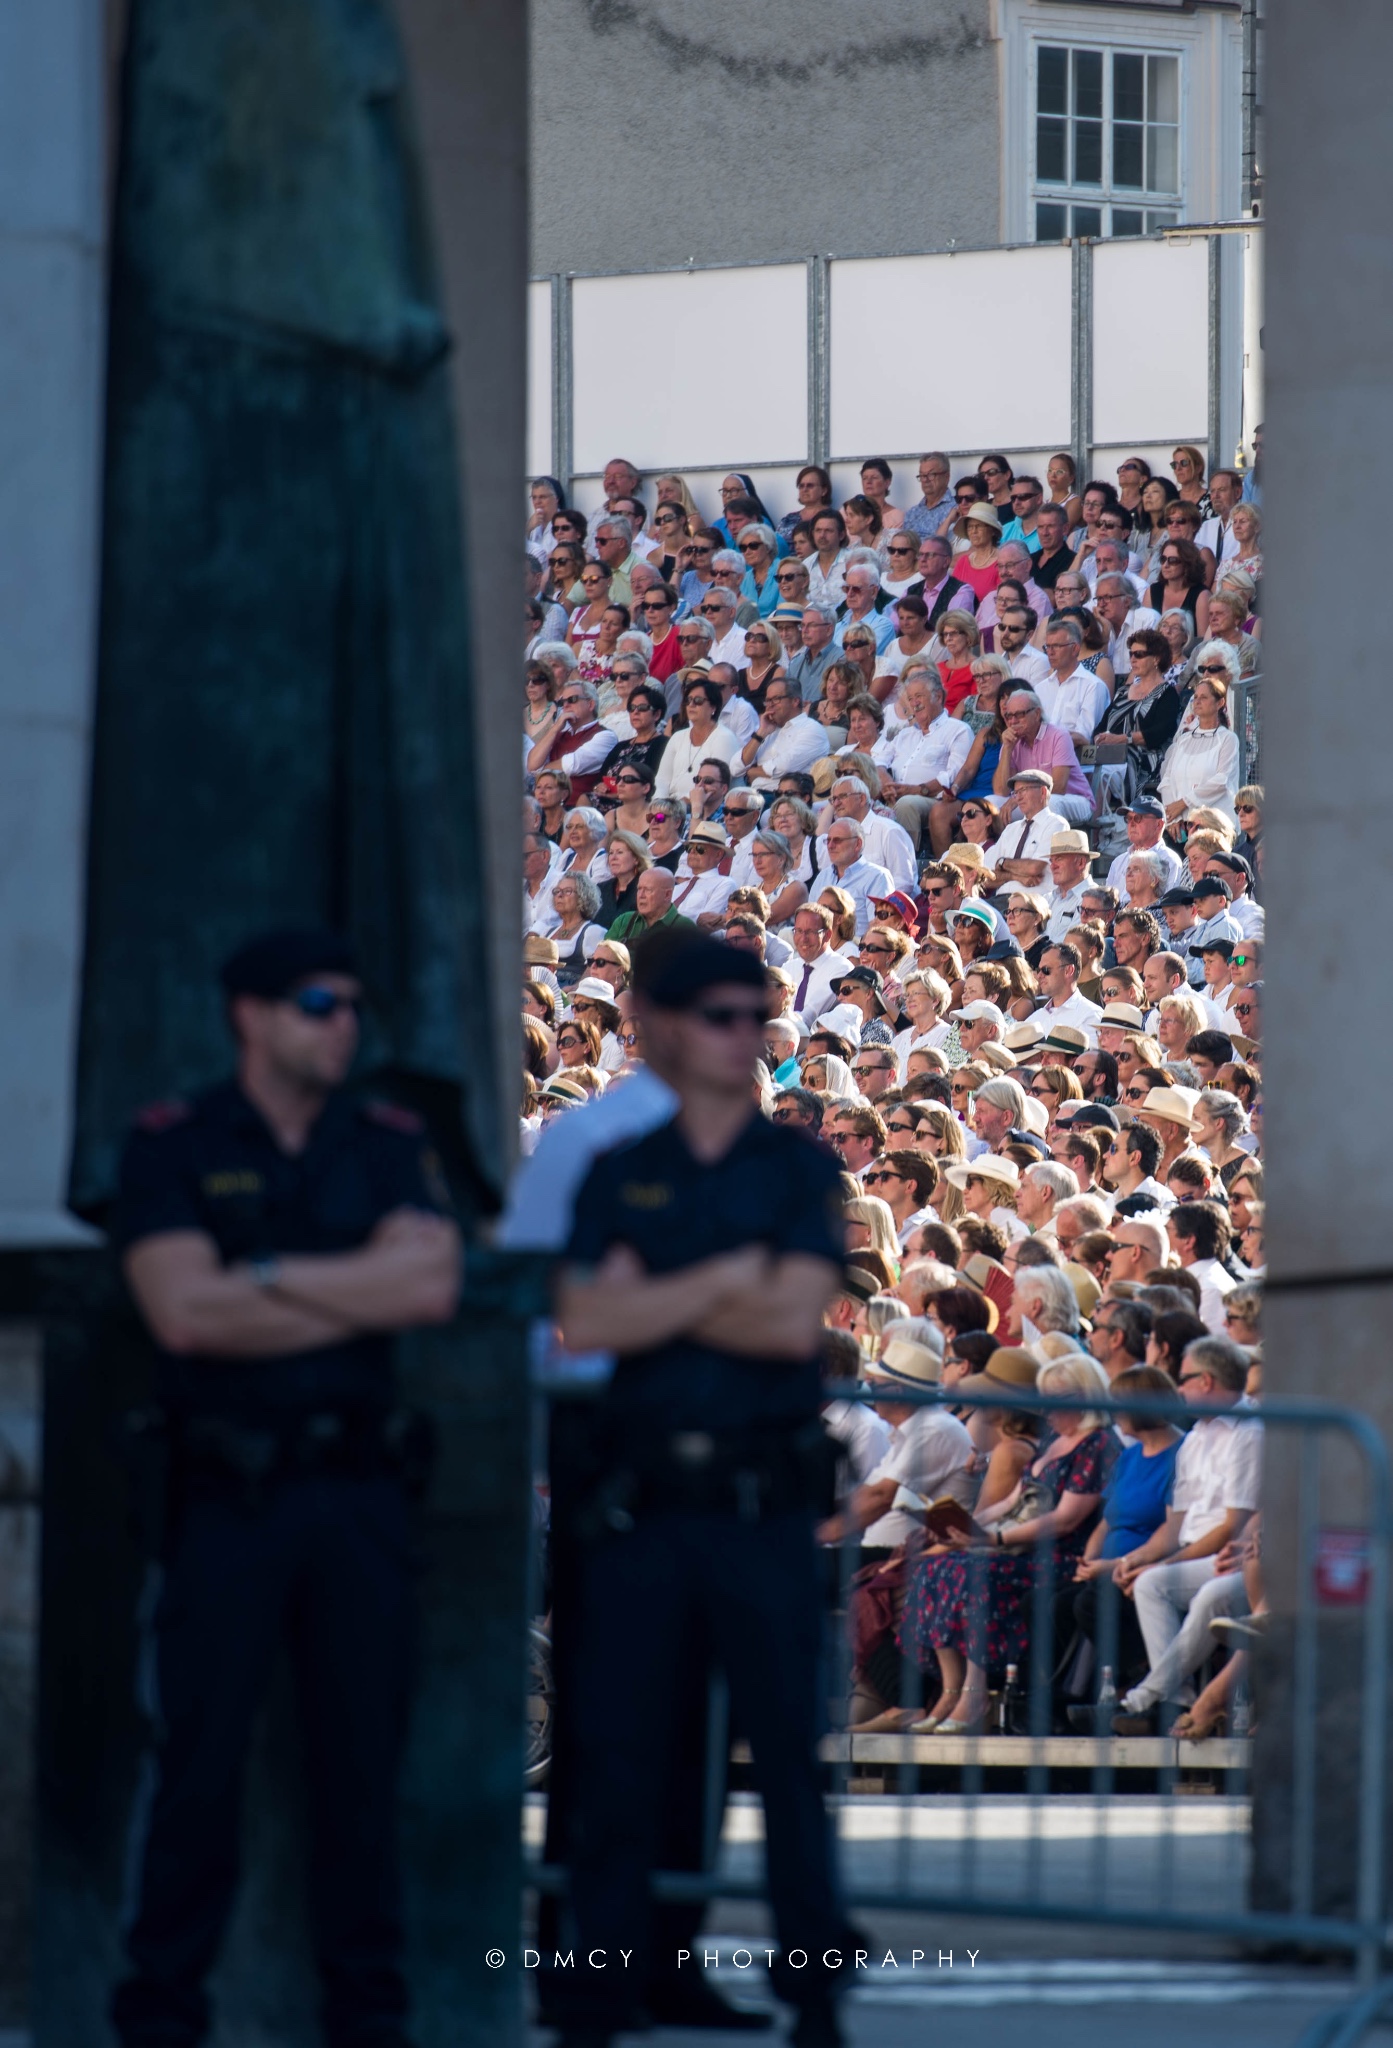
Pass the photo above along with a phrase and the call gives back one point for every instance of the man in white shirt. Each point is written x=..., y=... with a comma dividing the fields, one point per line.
x=925, y=755
x=786, y=741
x=1072, y=695
x=1029, y=665
x=703, y=892
x=1130, y=1159
x=1189, y=1572
x=738, y=715
x=742, y=812
x=1023, y=850
x=1070, y=855
x=818, y=966
x=1146, y=818
x=1058, y=976
x=884, y=839
x=1250, y=917
x=1117, y=607
x=1217, y=534
x=925, y=1457
x=1200, y=1235
x=861, y=878
x=718, y=607
x=1111, y=558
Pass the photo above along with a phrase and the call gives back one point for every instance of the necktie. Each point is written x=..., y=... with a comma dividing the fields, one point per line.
x=802, y=995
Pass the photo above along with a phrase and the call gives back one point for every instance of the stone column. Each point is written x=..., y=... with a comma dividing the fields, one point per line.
x=1327, y=735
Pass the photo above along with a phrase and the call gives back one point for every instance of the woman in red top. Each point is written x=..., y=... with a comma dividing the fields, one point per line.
x=962, y=644
x=976, y=565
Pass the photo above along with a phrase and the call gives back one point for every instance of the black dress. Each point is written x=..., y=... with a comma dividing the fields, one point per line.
x=615, y=902
x=1192, y=598
x=1148, y=726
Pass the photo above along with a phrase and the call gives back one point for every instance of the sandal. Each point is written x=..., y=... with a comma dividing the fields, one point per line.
x=954, y=1726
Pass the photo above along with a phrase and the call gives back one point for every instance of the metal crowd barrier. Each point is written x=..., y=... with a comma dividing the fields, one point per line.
x=1148, y=1832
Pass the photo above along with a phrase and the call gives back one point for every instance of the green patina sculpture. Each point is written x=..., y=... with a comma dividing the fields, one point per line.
x=284, y=719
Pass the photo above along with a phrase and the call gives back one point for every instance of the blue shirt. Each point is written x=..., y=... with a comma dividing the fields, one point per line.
x=927, y=520
x=1136, y=1498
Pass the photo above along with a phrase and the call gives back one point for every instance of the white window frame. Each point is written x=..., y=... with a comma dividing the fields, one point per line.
x=1105, y=196
x=1210, y=41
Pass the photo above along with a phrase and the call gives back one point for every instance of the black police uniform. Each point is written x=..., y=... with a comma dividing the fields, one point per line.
x=701, y=1520
x=289, y=1524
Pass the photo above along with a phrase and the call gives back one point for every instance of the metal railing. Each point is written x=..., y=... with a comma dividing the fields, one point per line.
x=1247, y=723
x=1218, y=430
x=1036, y=1824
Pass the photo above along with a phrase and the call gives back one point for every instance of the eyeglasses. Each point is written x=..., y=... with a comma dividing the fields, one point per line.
x=655, y=604
x=911, y=1128
x=873, y=1180
x=628, y=1038
x=881, y=1067
x=320, y=1004
x=786, y=1115
x=788, y=575
x=729, y=1016
x=713, y=611
x=1135, y=1094
x=868, y=948
x=1024, y=497
x=695, y=550
x=895, y=549
x=571, y=700
x=1192, y=1379
x=1246, y=810
x=750, y=547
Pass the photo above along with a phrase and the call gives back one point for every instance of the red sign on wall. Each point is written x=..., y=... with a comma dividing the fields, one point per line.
x=1342, y=1567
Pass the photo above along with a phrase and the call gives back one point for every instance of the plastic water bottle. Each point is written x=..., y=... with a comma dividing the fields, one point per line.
x=1006, y=1705
x=1107, y=1699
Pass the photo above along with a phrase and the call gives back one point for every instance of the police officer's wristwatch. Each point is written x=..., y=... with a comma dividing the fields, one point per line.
x=265, y=1271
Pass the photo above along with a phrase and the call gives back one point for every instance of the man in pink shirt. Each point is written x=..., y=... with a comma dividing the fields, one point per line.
x=1030, y=743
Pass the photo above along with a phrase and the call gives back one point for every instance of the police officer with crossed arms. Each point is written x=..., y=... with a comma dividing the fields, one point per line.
x=702, y=1254
x=276, y=1231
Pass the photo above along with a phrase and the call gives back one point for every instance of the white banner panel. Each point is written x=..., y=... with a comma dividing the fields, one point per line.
x=1151, y=341
x=694, y=368
x=539, y=378
x=986, y=341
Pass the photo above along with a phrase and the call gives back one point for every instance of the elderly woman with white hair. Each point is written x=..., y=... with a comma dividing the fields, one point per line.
x=583, y=844
x=1145, y=878
x=972, y=1614
x=772, y=861
x=758, y=548
x=1202, y=763
x=576, y=900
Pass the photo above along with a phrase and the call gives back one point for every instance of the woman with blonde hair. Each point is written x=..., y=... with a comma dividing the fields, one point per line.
x=673, y=489
x=772, y=861
x=925, y=1001
x=1179, y=1019
x=961, y=641
x=843, y=910
x=792, y=819
x=870, y=1223
x=1201, y=766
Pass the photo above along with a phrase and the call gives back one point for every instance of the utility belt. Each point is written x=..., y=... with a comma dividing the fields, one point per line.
x=171, y=1457
x=745, y=1474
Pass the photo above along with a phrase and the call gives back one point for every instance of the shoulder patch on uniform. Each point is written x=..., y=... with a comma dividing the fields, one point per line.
x=393, y=1117
x=162, y=1116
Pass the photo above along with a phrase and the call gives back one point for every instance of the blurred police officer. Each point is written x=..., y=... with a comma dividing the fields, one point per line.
x=702, y=1255
x=275, y=1232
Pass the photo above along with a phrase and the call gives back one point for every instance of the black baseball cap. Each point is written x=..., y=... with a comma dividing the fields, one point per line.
x=1224, y=946
x=1212, y=885
x=1176, y=899
x=272, y=963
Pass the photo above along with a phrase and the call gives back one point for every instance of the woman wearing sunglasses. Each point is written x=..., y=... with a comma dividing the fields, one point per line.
x=758, y=550
x=1180, y=583
x=588, y=617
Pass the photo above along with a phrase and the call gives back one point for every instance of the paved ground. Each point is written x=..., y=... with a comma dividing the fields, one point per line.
x=1035, y=1985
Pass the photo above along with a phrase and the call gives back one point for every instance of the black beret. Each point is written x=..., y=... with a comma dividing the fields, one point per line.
x=273, y=962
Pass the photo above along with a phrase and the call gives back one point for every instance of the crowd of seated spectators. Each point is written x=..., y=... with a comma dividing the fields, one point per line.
x=964, y=777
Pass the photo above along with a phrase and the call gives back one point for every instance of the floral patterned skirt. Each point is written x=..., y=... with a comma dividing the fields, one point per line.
x=980, y=1603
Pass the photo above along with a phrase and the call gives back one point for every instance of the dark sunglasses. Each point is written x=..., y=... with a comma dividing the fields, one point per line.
x=323, y=1003
x=729, y=1016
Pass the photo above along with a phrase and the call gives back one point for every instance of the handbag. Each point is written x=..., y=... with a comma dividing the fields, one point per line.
x=1036, y=1499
